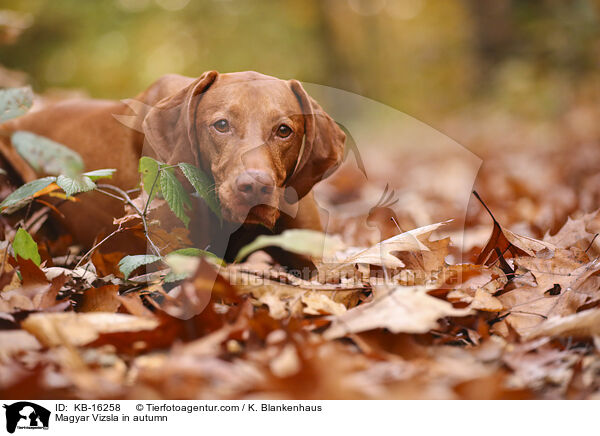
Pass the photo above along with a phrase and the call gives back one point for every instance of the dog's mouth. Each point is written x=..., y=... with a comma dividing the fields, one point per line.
x=263, y=214
x=236, y=210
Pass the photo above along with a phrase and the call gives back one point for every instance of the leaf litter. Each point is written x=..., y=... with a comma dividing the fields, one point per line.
x=387, y=313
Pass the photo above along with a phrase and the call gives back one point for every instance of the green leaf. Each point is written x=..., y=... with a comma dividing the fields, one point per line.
x=24, y=194
x=24, y=246
x=171, y=277
x=203, y=185
x=300, y=241
x=174, y=194
x=196, y=252
x=106, y=173
x=148, y=168
x=45, y=155
x=14, y=102
x=129, y=263
x=75, y=185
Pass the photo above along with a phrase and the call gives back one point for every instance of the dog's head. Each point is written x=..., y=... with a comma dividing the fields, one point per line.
x=264, y=140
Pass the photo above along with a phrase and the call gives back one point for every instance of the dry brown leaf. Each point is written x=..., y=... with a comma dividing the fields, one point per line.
x=134, y=305
x=582, y=229
x=529, y=306
x=286, y=363
x=582, y=324
x=479, y=287
x=54, y=329
x=536, y=364
x=402, y=309
x=560, y=269
x=503, y=240
x=320, y=303
x=103, y=299
x=485, y=301
x=16, y=341
x=285, y=294
x=381, y=253
x=558, y=290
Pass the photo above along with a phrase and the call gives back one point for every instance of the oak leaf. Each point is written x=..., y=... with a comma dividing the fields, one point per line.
x=400, y=310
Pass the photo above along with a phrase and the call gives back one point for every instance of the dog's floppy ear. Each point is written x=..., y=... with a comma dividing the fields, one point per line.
x=169, y=126
x=323, y=147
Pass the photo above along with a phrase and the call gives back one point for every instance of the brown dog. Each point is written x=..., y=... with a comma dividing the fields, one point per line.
x=264, y=141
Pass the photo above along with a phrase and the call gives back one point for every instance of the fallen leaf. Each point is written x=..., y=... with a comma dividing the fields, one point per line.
x=574, y=231
x=582, y=324
x=401, y=309
x=54, y=329
x=16, y=341
x=381, y=253
x=103, y=299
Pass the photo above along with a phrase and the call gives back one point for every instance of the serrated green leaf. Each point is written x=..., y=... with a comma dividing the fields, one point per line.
x=129, y=263
x=106, y=173
x=15, y=102
x=300, y=241
x=148, y=168
x=23, y=195
x=174, y=194
x=75, y=185
x=24, y=246
x=45, y=155
x=203, y=185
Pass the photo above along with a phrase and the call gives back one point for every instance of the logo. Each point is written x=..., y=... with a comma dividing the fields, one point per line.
x=26, y=415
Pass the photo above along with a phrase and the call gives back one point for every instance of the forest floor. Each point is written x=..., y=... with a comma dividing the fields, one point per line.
x=511, y=312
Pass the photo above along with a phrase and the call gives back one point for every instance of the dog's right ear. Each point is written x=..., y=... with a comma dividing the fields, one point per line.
x=169, y=126
x=323, y=148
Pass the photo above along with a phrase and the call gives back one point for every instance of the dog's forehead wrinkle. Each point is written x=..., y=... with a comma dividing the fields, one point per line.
x=270, y=91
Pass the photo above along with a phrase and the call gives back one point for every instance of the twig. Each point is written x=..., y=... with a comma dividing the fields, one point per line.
x=91, y=250
x=125, y=197
x=110, y=195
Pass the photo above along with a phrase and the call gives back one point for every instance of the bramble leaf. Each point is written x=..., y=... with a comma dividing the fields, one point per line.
x=129, y=263
x=75, y=185
x=203, y=184
x=23, y=195
x=47, y=156
x=174, y=194
x=15, y=102
x=149, y=169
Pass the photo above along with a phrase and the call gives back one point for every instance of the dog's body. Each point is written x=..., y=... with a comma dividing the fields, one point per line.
x=263, y=140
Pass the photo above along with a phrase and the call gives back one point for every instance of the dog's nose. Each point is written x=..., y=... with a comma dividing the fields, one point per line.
x=255, y=186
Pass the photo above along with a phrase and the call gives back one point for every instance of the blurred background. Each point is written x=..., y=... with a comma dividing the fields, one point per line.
x=424, y=57
x=514, y=81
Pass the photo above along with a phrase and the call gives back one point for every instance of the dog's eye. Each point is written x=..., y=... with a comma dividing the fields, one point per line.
x=284, y=131
x=221, y=125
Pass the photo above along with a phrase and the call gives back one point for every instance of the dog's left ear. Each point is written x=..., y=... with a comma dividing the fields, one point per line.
x=323, y=147
x=169, y=126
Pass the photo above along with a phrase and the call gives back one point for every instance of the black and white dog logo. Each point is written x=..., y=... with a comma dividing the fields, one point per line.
x=26, y=415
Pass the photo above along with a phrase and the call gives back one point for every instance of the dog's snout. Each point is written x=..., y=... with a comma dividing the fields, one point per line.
x=255, y=186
